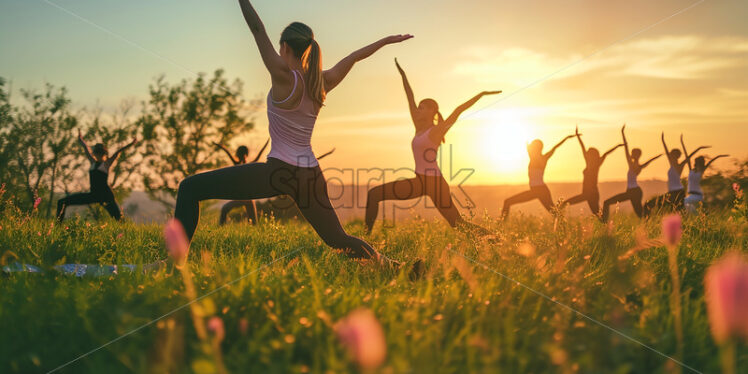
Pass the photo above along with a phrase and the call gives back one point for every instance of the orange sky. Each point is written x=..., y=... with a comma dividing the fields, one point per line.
x=687, y=74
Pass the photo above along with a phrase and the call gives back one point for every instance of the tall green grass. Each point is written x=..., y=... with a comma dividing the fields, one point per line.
x=460, y=317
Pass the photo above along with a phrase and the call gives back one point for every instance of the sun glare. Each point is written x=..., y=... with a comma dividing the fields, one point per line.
x=506, y=133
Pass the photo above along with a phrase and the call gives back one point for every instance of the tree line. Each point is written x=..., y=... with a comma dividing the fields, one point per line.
x=39, y=156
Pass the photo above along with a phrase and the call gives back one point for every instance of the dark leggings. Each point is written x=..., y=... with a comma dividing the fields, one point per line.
x=634, y=195
x=435, y=187
x=590, y=196
x=249, y=206
x=668, y=202
x=86, y=198
x=541, y=193
x=306, y=186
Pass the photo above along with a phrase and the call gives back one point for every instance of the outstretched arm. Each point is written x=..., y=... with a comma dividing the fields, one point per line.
x=326, y=154
x=610, y=151
x=626, y=146
x=408, y=91
x=85, y=146
x=712, y=160
x=228, y=153
x=443, y=126
x=687, y=161
x=650, y=161
x=262, y=150
x=279, y=71
x=116, y=154
x=581, y=143
x=335, y=75
x=555, y=147
x=689, y=155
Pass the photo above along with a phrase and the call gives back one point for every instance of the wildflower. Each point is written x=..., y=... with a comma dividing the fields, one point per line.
x=672, y=229
x=176, y=241
x=736, y=187
x=726, y=284
x=243, y=326
x=120, y=235
x=37, y=202
x=362, y=334
x=215, y=324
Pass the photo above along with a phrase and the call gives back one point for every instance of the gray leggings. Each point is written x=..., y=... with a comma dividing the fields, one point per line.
x=306, y=186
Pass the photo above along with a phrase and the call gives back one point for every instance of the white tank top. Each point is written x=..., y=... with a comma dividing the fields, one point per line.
x=694, y=182
x=631, y=181
x=425, y=153
x=291, y=129
x=536, y=176
x=673, y=180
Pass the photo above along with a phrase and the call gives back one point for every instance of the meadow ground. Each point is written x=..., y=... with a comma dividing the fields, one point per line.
x=462, y=316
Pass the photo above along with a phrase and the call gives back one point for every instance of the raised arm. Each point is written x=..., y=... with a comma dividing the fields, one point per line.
x=228, y=153
x=606, y=154
x=279, y=71
x=335, y=75
x=650, y=161
x=116, y=154
x=581, y=143
x=712, y=160
x=262, y=150
x=83, y=144
x=408, y=91
x=443, y=126
x=687, y=161
x=326, y=154
x=689, y=155
x=667, y=151
x=555, y=147
x=626, y=146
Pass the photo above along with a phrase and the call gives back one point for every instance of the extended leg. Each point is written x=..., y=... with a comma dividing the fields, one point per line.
x=404, y=189
x=84, y=198
x=625, y=196
x=516, y=199
x=113, y=209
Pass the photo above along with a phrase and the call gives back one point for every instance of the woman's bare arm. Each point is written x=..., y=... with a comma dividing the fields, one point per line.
x=228, y=153
x=83, y=144
x=262, y=150
x=555, y=147
x=118, y=152
x=335, y=75
x=408, y=91
x=442, y=127
x=650, y=161
x=581, y=143
x=712, y=160
x=326, y=154
x=626, y=146
x=606, y=154
x=279, y=71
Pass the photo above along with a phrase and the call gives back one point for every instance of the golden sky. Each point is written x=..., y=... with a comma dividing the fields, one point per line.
x=591, y=63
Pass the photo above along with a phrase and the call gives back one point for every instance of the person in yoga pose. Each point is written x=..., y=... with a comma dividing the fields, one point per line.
x=538, y=189
x=593, y=161
x=299, y=87
x=633, y=191
x=673, y=199
x=430, y=131
x=240, y=157
x=695, y=196
x=100, y=192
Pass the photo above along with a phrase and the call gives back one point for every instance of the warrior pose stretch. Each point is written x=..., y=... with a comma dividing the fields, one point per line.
x=590, y=193
x=425, y=144
x=695, y=195
x=98, y=174
x=633, y=191
x=299, y=86
x=673, y=199
x=538, y=189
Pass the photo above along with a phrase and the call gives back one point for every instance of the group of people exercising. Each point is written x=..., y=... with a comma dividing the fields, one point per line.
x=298, y=92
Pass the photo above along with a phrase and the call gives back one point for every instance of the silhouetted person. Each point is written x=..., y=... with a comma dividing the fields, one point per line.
x=430, y=131
x=299, y=87
x=695, y=196
x=633, y=191
x=593, y=161
x=98, y=173
x=535, y=170
x=240, y=157
x=673, y=199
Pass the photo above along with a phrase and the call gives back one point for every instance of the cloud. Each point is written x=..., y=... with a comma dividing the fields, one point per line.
x=665, y=57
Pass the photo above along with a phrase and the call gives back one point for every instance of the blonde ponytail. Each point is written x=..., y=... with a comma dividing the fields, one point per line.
x=312, y=63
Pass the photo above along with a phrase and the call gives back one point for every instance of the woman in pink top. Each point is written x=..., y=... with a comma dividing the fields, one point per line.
x=299, y=87
x=428, y=180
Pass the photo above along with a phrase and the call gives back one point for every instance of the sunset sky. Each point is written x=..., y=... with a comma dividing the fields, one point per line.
x=687, y=74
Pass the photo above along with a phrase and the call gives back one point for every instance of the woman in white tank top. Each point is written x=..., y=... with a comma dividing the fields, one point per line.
x=673, y=199
x=633, y=191
x=299, y=87
x=695, y=195
x=425, y=145
x=535, y=170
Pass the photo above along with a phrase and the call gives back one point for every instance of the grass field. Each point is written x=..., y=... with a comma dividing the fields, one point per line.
x=463, y=316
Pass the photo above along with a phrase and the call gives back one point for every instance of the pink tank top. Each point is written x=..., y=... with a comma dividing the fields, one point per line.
x=291, y=129
x=425, y=154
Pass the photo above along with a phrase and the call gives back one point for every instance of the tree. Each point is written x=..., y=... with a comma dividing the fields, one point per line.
x=179, y=123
